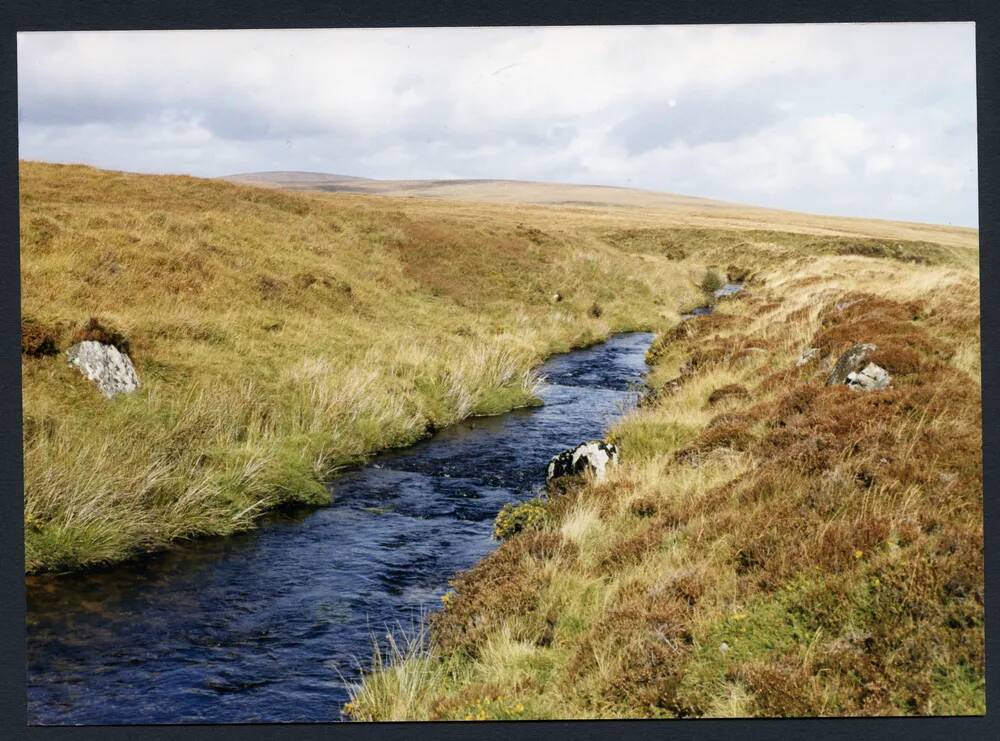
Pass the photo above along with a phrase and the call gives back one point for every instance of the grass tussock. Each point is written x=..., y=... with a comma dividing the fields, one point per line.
x=278, y=337
x=770, y=545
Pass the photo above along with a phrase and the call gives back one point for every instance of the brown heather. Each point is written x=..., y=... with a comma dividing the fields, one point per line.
x=770, y=545
x=786, y=549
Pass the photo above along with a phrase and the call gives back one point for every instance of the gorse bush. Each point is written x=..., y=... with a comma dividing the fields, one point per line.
x=515, y=518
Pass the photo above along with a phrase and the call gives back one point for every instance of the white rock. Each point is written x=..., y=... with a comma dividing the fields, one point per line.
x=870, y=378
x=592, y=457
x=109, y=369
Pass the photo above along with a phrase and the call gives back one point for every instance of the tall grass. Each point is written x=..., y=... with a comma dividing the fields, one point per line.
x=403, y=676
x=797, y=550
x=278, y=337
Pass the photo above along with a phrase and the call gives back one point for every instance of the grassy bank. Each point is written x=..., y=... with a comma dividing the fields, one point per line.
x=279, y=336
x=770, y=545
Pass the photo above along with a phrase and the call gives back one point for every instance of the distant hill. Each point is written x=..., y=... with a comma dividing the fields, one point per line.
x=690, y=210
x=497, y=191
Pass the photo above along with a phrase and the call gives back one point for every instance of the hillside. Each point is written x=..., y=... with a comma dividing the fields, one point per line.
x=279, y=336
x=654, y=205
x=769, y=545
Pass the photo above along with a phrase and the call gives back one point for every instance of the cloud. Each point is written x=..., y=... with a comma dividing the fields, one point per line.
x=874, y=120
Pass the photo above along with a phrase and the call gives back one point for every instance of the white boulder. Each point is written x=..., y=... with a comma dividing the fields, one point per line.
x=110, y=370
x=592, y=457
x=870, y=378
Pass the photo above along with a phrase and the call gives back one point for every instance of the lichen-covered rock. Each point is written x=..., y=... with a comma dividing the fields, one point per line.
x=110, y=370
x=592, y=457
x=870, y=378
x=850, y=362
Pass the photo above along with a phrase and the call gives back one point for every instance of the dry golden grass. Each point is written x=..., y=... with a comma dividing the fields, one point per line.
x=770, y=546
x=277, y=336
x=630, y=205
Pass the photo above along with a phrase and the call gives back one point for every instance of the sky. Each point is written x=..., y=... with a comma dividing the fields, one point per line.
x=874, y=120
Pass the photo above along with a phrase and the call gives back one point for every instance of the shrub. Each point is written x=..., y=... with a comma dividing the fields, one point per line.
x=101, y=331
x=38, y=339
x=711, y=282
x=516, y=518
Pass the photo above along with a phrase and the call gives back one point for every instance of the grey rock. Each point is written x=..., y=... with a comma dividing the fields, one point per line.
x=807, y=356
x=112, y=371
x=850, y=362
x=870, y=378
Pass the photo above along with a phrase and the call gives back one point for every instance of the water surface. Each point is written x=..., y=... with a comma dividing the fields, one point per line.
x=269, y=626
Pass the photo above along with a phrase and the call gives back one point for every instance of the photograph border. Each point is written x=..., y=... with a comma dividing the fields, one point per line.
x=64, y=15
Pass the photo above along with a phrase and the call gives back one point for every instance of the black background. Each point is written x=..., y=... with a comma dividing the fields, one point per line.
x=53, y=15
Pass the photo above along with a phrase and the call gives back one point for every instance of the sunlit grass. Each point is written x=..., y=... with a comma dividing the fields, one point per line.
x=839, y=577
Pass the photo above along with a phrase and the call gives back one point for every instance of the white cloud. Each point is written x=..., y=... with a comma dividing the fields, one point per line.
x=867, y=119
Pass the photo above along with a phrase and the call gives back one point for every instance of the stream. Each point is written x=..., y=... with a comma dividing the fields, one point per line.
x=272, y=625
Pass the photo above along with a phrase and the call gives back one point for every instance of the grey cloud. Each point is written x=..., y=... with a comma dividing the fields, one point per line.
x=388, y=108
x=697, y=119
x=75, y=110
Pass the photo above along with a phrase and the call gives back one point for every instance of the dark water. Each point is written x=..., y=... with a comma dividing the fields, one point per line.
x=269, y=626
x=725, y=291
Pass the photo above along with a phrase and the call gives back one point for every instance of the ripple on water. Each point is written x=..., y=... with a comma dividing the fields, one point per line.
x=270, y=626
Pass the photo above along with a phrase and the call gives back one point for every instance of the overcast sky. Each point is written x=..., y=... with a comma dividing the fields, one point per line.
x=867, y=120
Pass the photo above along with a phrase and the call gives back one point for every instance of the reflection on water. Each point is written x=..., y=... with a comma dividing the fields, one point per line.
x=269, y=626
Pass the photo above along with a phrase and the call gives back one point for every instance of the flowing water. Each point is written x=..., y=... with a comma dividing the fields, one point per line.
x=270, y=626
x=727, y=290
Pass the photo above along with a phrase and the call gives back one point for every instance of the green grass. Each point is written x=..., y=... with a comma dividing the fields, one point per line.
x=277, y=337
x=792, y=550
x=831, y=540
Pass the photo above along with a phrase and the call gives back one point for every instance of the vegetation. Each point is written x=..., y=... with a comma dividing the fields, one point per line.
x=770, y=545
x=515, y=518
x=710, y=283
x=277, y=337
